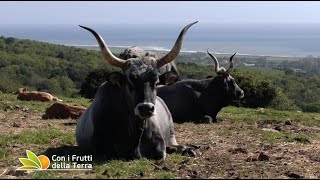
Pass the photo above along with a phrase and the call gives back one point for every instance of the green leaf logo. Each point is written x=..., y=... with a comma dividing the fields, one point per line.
x=33, y=162
x=33, y=158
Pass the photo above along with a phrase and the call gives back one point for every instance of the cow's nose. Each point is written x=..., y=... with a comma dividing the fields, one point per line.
x=146, y=108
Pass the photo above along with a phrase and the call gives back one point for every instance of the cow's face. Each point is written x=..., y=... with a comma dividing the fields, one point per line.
x=139, y=81
x=142, y=79
x=221, y=91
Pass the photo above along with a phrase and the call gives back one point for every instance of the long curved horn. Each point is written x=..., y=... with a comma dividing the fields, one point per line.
x=176, y=48
x=113, y=60
x=231, y=64
x=215, y=60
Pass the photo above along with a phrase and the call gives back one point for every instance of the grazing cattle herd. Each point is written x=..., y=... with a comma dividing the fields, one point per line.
x=133, y=113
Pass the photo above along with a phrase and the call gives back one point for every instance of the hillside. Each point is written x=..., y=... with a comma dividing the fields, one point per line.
x=61, y=70
x=42, y=66
x=244, y=143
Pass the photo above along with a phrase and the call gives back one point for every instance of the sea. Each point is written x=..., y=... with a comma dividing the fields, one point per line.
x=284, y=40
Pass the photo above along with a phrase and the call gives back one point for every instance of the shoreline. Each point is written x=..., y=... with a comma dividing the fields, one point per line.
x=161, y=49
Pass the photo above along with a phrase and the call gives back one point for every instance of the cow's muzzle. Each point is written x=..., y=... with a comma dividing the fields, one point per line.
x=144, y=110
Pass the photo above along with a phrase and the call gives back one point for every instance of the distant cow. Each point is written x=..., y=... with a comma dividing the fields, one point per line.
x=25, y=95
x=167, y=74
x=126, y=119
x=63, y=111
x=201, y=100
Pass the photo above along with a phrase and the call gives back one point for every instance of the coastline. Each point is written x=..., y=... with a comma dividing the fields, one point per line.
x=118, y=49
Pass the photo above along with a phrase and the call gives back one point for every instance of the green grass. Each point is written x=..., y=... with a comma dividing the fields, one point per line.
x=164, y=175
x=4, y=154
x=40, y=137
x=252, y=116
x=7, y=100
x=45, y=175
x=121, y=169
x=274, y=137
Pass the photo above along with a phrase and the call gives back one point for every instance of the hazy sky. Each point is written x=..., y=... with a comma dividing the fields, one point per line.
x=179, y=12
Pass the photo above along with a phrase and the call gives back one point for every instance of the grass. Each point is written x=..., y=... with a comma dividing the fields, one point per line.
x=164, y=175
x=11, y=101
x=276, y=137
x=252, y=116
x=40, y=137
x=121, y=169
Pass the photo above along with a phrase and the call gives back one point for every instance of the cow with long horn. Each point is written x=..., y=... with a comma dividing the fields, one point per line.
x=126, y=118
x=200, y=100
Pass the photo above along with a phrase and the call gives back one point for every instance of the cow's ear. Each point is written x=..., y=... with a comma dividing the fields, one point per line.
x=115, y=78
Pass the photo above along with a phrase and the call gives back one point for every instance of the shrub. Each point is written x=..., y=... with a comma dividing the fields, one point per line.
x=261, y=93
x=91, y=83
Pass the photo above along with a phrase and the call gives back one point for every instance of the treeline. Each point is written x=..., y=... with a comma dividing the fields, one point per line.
x=72, y=72
x=47, y=67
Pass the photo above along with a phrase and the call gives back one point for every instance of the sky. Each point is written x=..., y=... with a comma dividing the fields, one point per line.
x=158, y=12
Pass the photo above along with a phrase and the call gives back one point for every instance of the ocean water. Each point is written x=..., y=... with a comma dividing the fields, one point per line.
x=291, y=40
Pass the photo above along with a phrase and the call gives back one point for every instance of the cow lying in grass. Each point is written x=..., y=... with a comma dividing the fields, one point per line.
x=25, y=95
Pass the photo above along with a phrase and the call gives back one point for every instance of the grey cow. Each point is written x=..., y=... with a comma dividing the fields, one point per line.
x=126, y=119
x=201, y=100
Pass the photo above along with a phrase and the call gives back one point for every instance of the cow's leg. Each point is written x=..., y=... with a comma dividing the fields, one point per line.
x=151, y=144
x=160, y=146
x=173, y=146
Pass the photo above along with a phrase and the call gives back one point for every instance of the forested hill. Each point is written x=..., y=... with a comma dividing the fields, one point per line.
x=73, y=72
x=42, y=66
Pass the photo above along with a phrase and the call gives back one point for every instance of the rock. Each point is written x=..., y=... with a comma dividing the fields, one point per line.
x=14, y=172
x=267, y=129
x=278, y=128
x=293, y=175
x=106, y=173
x=238, y=150
x=288, y=122
x=24, y=109
x=15, y=124
x=261, y=156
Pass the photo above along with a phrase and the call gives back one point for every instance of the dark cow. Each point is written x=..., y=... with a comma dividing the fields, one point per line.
x=168, y=73
x=126, y=119
x=201, y=100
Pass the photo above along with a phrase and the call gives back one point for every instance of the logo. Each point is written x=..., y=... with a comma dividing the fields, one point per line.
x=67, y=162
x=34, y=162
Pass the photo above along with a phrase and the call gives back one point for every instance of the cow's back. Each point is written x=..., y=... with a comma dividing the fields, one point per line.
x=179, y=97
